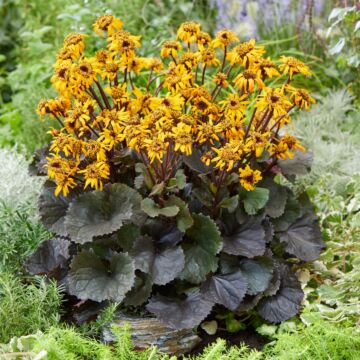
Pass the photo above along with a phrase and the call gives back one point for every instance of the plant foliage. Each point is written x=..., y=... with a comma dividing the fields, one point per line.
x=167, y=195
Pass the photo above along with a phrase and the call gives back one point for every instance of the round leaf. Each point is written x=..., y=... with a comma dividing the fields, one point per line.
x=286, y=302
x=149, y=207
x=53, y=209
x=163, y=266
x=258, y=274
x=227, y=289
x=254, y=200
x=180, y=314
x=247, y=240
x=98, y=213
x=303, y=238
x=200, y=256
x=92, y=278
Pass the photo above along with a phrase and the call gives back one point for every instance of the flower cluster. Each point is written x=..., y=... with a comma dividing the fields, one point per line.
x=205, y=95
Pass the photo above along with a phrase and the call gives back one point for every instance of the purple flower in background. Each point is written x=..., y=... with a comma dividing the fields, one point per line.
x=246, y=16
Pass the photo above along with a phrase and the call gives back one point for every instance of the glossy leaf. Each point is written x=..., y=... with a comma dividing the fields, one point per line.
x=200, y=255
x=247, y=240
x=180, y=314
x=163, y=266
x=286, y=302
x=227, y=289
x=93, y=278
x=303, y=238
x=97, y=213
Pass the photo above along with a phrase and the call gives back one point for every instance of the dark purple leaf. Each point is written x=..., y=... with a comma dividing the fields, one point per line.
x=180, y=314
x=286, y=302
x=303, y=238
x=248, y=240
x=50, y=255
x=228, y=289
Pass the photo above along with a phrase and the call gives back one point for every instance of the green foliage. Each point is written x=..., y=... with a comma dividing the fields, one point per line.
x=26, y=308
x=316, y=342
x=19, y=237
x=344, y=41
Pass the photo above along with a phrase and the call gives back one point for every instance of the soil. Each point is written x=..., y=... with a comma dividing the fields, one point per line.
x=249, y=337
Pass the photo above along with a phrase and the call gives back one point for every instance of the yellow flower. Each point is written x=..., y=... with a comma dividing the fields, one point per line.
x=301, y=97
x=93, y=149
x=110, y=70
x=257, y=142
x=154, y=64
x=182, y=138
x=274, y=100
x=169, y=102
x=107, y=23
x=156, y=147
x=226, y=156
x=266, y=67
x=207, y=131
x=203, y=39
x=177, y=79
x=208, y=57
x=247, y=80
x=84, y=74
x=249, y=178
x=125, y=43
x=234, y=106
x=220, y=79
x=135, y=64
x=61, y=78
x=109, y=138
x=75, y=43
x=224, y=38
x=95, y=174
x=188, y=31
x=170, y=48
x=293, y=66
x=245, y=53
x=119, y=94
x=207, y=157
x=63, y=184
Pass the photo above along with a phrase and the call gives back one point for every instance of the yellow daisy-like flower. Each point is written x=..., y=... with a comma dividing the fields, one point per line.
x=249, y=178
x=293, y=66
x=111, y=137
x=226, y=156
x=203, y=39
x=207, y=131
x=170, y=48
x=266, y=67
x=224, y=38
x=119, y=94
x=63, y=184
x=84, y=74
x=209, y=58
x=156, y=147
x=95, y=174
x=247, y=80
x=274, y=100
x=220, y=79
x=245, y=53
x=107, y=23
x=300, y=97
x=182, y=138
x=125, y=43
x=188, y=31
x=154, y=64
x=234, y=106
x=93, y=149
x=75, y=43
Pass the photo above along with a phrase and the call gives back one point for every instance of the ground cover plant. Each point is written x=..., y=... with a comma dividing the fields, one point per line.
x=167, y=193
